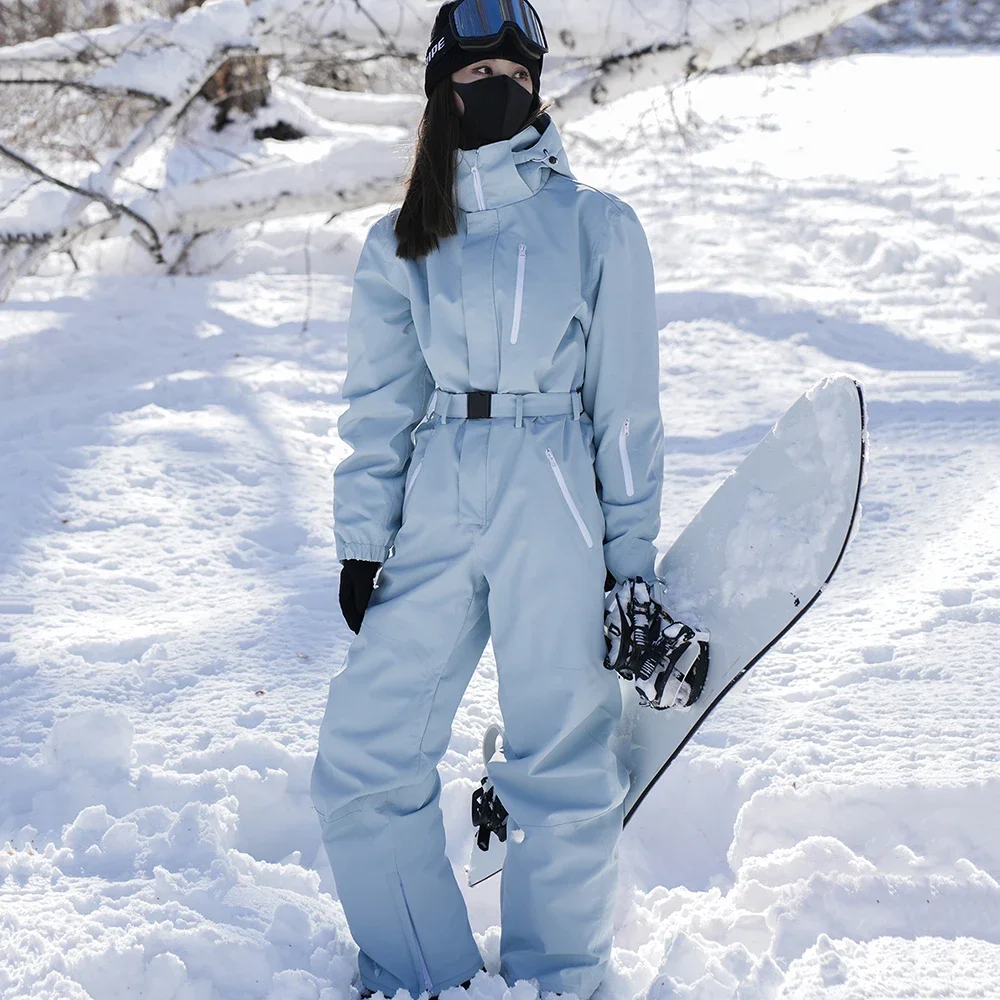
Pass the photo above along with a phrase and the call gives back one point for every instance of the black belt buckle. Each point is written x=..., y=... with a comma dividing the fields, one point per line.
x=478, y=404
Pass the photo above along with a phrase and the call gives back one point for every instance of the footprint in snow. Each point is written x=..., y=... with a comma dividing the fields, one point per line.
x=252, y=719
x=878, y=654
x=956, y=597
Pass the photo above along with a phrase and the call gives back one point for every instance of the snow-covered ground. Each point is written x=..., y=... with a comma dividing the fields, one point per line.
x=168, y=609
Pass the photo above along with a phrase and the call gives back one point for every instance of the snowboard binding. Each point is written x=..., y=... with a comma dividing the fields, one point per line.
x=665, y=659
x=488, y=813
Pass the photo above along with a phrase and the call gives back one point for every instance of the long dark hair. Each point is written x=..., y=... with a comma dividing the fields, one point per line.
x=427, y=214
x=428, y=211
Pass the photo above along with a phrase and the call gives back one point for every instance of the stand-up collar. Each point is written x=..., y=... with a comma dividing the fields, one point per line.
x=510, y=170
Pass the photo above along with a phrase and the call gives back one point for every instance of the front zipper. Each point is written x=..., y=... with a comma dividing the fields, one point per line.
x=557, y=472
x=623, y=451
x=479, y=188
x=522, y=249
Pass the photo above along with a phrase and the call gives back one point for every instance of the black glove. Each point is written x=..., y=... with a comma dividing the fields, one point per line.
x=610, y=582
x=357, y=581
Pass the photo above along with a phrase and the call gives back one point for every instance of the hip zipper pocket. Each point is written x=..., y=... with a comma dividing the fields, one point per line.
x=522, y=249
x=573, y=509
x=623, y=452
x=409, y=486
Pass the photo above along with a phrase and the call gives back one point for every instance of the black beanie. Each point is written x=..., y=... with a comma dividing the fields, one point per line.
x=445, y=56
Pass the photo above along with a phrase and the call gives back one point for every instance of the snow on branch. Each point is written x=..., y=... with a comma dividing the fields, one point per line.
x=156, y=57
x=352, y=107
x=348, y=170
x=71, y=54
x=735, y=43
x=176, y=61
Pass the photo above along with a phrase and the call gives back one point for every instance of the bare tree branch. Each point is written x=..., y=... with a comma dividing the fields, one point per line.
x=114, y=208
x=390, y=45
x=86, y=88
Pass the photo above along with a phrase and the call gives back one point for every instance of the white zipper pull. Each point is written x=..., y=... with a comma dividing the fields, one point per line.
x=522, y=249
x=479, y=187
x=623, y=452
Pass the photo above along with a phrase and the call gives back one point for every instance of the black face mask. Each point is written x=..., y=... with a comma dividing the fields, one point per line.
x=496, y=107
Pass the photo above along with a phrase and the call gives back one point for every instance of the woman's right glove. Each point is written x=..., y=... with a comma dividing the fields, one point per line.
x=667, y=660
x=357, y=581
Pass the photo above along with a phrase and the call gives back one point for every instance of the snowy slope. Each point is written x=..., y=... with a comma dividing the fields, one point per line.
x=168, y=613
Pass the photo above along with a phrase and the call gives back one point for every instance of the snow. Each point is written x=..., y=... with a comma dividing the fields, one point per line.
x=168, y=609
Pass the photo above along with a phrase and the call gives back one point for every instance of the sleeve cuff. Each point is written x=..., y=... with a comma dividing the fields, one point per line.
x=361, y=550
x=630, y=560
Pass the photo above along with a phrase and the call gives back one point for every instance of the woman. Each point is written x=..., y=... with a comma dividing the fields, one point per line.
x=504, y=413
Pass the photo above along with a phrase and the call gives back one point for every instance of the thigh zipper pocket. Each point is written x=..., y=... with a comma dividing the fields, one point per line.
x=557, y=472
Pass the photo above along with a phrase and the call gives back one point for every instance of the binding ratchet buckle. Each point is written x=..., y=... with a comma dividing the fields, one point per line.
x=488, y=814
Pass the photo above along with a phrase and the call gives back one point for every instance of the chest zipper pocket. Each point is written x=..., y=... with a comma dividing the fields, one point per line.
x=522, y=249
x=573, y=509
x=479, y=189
x=623, y=452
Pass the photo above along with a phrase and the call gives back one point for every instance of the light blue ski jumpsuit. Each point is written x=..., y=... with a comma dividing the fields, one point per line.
x=498, y=526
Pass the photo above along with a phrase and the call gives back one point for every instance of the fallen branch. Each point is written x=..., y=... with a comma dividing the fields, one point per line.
x=668, y=62
x=19, y=261
x=351, y=172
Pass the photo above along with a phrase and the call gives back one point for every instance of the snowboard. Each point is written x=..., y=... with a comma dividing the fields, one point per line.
x=746, y=569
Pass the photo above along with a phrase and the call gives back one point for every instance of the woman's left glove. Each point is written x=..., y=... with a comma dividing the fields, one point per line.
x=357, y=581
x=667, y=660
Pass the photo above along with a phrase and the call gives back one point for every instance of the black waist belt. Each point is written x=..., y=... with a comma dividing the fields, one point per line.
x=480, y=404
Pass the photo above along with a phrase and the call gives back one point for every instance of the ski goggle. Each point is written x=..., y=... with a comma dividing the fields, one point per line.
x=478, y=24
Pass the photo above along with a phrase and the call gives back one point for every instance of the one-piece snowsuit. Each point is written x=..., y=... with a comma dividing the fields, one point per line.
x=501, y=525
